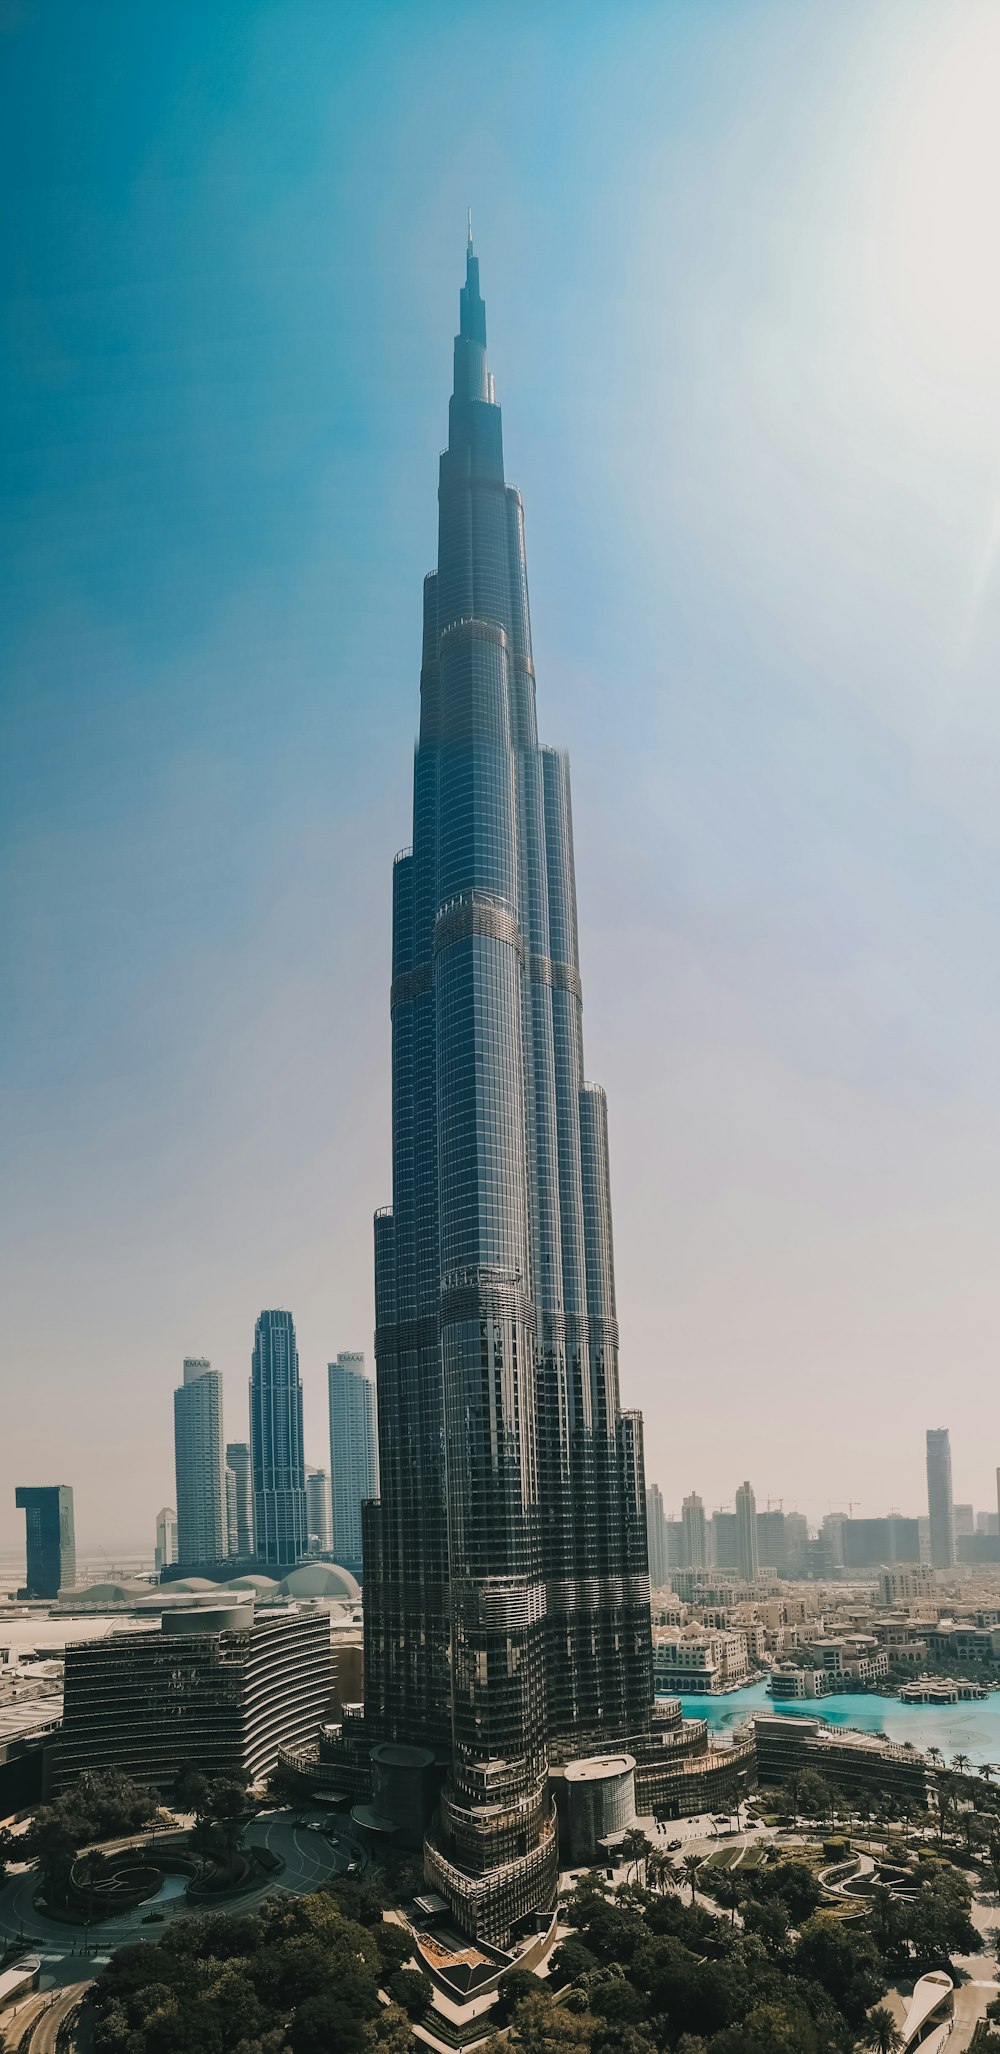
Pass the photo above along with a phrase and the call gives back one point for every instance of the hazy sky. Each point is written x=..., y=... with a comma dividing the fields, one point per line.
x=740, y=263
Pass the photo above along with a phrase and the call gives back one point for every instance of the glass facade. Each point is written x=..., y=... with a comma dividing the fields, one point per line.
x=50, y=1539
x=506, y=1586
x=280, y=1519
x=353, y=1466
x=199, y=1466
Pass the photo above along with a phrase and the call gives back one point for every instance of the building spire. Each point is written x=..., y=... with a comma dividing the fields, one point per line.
x=472, y=320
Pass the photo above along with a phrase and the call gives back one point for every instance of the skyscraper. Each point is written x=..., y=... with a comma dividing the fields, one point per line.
x=939, y=1500
x=695, y=1532
x=353, y=1470
x=281, y=1530
x=50, y=1539
x=746, y=1532
x=232, y=1529
x=506, y=1581
x=166, y=1538
x=656, y=1537
x=202, y=1527
x=318, y=1509
x=724, y=1551
x=239, y=1465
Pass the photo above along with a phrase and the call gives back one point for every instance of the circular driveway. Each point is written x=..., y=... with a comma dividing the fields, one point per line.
x=68, y=1949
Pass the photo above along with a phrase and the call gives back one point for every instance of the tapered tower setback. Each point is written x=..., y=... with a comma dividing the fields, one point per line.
x=506, y=1584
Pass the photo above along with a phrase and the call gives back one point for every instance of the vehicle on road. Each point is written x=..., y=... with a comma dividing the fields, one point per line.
x=673, y=1845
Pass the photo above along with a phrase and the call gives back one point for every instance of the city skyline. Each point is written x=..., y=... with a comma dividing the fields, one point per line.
x=763, y=586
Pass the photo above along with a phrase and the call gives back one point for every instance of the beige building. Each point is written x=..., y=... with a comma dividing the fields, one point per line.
x=907, y=1583
x=788, y=1681
x=696, y=1662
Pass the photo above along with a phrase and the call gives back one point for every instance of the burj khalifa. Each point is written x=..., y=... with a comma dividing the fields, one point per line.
x=507, y=1622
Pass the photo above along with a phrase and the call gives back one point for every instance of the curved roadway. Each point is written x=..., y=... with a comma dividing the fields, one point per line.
x=308, y=1857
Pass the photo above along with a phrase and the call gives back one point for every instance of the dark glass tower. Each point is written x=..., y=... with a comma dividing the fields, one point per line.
x=49, y=1537
x=280, y=1521
x=506, y=1585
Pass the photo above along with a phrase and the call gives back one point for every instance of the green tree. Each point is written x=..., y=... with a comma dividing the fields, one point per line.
x=880, y=2031
x=635, y=1848
x=844, y=1964
x=814, y=1794
x=410, y=1988
x=541, y=2026
x=729, y=1891
x=690, y=1865
x=190, y=1788
x=327, y=2021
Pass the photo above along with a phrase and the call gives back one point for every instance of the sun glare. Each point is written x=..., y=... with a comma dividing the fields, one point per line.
x=937, y=212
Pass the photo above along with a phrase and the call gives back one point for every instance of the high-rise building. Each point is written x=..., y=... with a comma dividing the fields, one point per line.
x=166, y=1538
x=796, y=1544
x=965, y=1520
x=771, y=1547
x=725, y=1553
x=202, y=1527
x=318, y=1510
x=872, y=1543
x=232, y=1546
x=988, y=1523
x=218, y=1688
x=748, y=1560
x=695, y=1531
x=281, y=1529
x=507, y=1612
x=353, y=1467
x=656, y=1537
x=832, y=1536
x=50, y=1539
x=940, y=1508
x=240, y=1468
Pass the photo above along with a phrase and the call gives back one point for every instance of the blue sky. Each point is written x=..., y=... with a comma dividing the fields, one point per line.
x=738, y=268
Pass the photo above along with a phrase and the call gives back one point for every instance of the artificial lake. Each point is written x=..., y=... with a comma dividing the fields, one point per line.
x=972, y=1729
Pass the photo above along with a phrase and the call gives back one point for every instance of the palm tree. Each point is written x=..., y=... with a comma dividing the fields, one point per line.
x=730, y=1893
x=881, y=1911
x=659, y=1869
x=636, y=1849
x=934, y=1755
x=960, y=1762
x=882, y=2034
x=690, y=1865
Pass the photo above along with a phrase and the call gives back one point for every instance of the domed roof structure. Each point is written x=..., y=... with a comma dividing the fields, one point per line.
x=190, y=1583
x=321, y=1580
x=105, y=1593
x=261, y=1583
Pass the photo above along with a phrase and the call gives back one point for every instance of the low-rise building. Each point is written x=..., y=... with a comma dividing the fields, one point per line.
x=905, y=1583
x=785, y=1746
x=697, y=1662
x=788, y=1681
x=854, y=1660
x=215, y=1687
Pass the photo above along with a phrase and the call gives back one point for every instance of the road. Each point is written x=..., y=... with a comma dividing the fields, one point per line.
x=40, y=2033
x=308, y=1860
